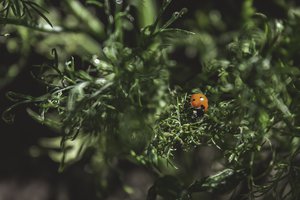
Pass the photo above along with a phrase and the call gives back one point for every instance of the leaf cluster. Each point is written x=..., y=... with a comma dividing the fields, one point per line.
x=118, y=103
x=22, y=9
x=258, y=79
x=99, y=98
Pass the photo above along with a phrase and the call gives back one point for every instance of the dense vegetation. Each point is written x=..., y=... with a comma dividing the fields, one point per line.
x=117, y=79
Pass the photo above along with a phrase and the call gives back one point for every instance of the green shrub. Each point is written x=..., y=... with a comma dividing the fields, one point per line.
x=118, y=101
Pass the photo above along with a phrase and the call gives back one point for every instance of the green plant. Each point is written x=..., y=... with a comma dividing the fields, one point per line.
x=109, y=91
x=259, y=80
x=118, y=101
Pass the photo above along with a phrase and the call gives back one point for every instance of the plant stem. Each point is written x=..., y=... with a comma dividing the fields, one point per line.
x=94, y=25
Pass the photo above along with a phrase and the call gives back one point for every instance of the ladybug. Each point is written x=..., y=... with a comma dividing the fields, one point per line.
x=199, y=103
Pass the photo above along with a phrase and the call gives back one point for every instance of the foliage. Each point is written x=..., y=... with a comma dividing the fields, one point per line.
x=22, y=8
x=258, y=78
x=118, y=102
x=109, y=89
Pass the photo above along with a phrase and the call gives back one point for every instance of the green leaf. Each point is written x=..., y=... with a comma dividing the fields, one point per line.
x=95, y=3
x=37, y=8
x=16, y=97
x=171, y=36
x=52, y=123
x=178, y=32
x=174, y=17
x=221, y=182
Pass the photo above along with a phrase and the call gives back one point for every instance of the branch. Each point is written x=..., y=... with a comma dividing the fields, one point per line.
x=38, y=27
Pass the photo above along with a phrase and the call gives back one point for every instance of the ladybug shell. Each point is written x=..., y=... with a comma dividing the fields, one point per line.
x=199, y=101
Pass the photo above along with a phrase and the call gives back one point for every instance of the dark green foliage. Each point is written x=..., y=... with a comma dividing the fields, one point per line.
x=119, y=103
x=177, y=126
x=259, y=82
x=167, y=187
x=22, y=9
x=221, y=182
x=121, y=85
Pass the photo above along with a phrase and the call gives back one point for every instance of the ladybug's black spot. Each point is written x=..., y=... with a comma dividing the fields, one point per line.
x=200, y=113
x=194, y=99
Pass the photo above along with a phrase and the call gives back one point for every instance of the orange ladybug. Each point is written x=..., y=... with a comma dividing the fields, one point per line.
x=199, y=101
